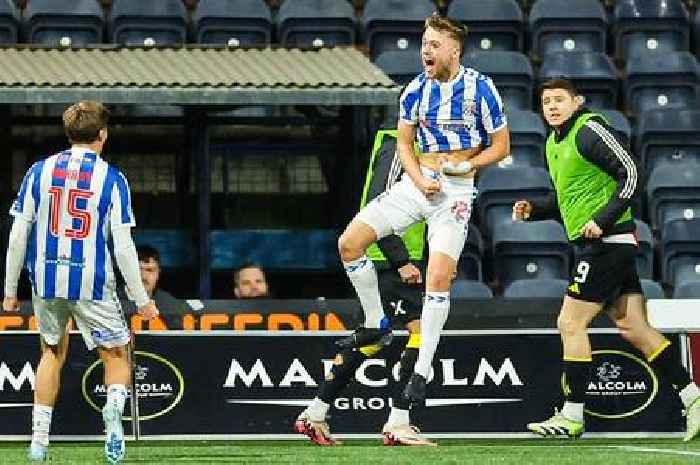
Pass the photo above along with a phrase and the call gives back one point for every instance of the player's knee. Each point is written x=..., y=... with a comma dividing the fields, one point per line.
x=349, y=247
x=569, y=325
x=439, y=279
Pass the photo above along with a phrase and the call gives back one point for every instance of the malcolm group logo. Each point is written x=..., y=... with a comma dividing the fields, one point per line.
x=269, y=386
x=159, y=384
x=621, y=385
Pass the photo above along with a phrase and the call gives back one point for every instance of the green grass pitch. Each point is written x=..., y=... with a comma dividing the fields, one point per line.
x=364, y=452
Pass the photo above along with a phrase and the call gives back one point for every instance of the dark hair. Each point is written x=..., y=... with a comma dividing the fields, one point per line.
x=454, y=28
x=146, y=253
x=245, y=266
x=83, y=121
x=559, y=83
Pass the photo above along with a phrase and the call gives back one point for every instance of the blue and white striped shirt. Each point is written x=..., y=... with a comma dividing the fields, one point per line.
x=454, y=115
x=73, y=200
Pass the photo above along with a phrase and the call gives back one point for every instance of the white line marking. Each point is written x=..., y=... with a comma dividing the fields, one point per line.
x=663, y=451
x=15, y=405
x=429, y=402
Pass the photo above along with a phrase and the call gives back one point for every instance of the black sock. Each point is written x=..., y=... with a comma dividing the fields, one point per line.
x=577, y=374
x=408, y=361
x=343, y=370
x=672, y=371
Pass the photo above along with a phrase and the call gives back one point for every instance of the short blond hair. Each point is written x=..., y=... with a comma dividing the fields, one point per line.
x=454, y=28
x=83, y=121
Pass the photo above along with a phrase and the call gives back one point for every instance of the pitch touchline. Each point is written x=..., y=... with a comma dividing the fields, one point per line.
x=649, y=449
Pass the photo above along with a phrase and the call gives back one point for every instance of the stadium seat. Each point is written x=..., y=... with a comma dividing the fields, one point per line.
x=470, y=264
x=316, y=23
x=668, y=136
x=617, y=120
x=565, y=26
x=64, y=23
x=511, y=73
x=652, y=289
x=593, y=73
x=400, y=65
x=673, y=192
x=9, y=23
x=466, y=289
x=492, y=24
x=680, y=251
x=237, y=23
x=661, y=80
x=175, y=247
x=645, y=251
x=687, y=290
x=642, y=25
x=139, y=22
x=536, y=289
x=527, y=138
x=499, y=188
x=530, y=250
x=395, y=24
x=303, y=249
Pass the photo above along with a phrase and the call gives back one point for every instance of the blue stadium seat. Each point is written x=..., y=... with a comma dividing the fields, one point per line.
x=543, y=288
x=661, y=80
x=466, y=289
x=566, y=25
x=492, y=24
x=527, y=138
x=176, y=247
x=593, y=73
x=50, y=22
x=511, y=73
x=530, y=250
x=9, y=23
x=642, y=25
x=668, y=136
x=132, y=22
x=316, y=23
x=673, y=192
x=470, y=264
x=238, y=23
x=687, y=290
x=652, y=289
x=499, y=188
x=306, y=249
x=645, y=251
x=680, y=251
x=395, y=24
x=400, y=65
x=617, y=120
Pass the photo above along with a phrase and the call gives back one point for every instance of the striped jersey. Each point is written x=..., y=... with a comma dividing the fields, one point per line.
x=454, y=115
x=73, y=199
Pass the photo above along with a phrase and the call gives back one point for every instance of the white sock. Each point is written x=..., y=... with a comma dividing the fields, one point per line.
x=436, y=307
x=363, y=277
x=116, y=396
x=689, y=394
x=573, y=411
x=398, y=417
x=317, y=410
x=41, y=424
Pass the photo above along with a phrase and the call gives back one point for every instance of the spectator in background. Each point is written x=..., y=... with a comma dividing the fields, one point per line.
x=171, y=308
x=249, y=282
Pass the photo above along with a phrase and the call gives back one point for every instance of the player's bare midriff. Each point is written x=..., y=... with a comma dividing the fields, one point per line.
x=432, y=159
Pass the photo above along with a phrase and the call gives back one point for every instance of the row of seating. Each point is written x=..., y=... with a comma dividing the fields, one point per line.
x=553, y=25
x=652, y=80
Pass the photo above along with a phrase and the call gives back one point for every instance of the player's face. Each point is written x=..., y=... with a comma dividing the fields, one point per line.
x=251, y=284
x=439, y=54
x=150, y=272
x=558, y=105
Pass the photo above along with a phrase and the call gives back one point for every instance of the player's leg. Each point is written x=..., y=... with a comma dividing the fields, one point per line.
x=398, y=430
x=52, y=320
x=393, y=211
x=630, y=315
x=103, y=327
